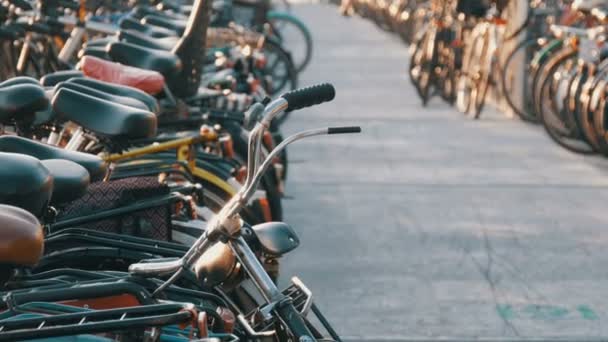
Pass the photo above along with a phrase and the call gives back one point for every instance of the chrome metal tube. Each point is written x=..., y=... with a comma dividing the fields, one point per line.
x=255, y=138
x=275, y=152
x=72, y=44
x=25, y=53
x=76, y=140
x=156, y=268
x=255, y=270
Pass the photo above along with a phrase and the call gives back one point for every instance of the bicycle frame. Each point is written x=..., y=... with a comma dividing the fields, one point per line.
x=184, y=153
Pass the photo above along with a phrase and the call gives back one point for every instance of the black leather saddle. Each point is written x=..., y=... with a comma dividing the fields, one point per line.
x=178, y=26
x=150, y=30
x=95, y=51
x=123, y=100
x=50, y=80
x=70, y=180
x=21, y=101
x=142, y=39
x=25, y=182
x=104, y=117
x=120, y=90
x=140, y=11
x=101, y=42
x=164, y=62
x=94, y=165
x=19, y=80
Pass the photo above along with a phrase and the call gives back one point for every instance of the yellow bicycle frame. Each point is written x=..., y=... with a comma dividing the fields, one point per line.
x=184, y=152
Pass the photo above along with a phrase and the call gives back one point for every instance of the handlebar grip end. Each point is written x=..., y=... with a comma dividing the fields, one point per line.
x=309, y=96
x=344, y=130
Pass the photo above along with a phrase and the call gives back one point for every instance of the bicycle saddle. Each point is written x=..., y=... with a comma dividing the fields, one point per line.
x=21, y=238
x=19, y=80
x=175, y=6
x=95, y=51
x=123, y=100
x=160, y=21
x=101, y=42
x=152, y=31
x=25, y=182
x=141, y=11
x=50, y=80
x=70, y=180
x=149, y=81
x=119, y=90
x=142, y=39
x=11, y=32
x=167, y=63
x=104, y=117
x=94, y=165
x=21, y=100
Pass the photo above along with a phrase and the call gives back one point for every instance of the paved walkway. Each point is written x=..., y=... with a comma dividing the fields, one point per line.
x=429, y=224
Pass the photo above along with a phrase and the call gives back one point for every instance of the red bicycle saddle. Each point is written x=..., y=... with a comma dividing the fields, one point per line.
x=149, y=81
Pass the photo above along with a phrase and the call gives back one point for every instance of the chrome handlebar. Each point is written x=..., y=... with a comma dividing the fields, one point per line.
x=227, y=221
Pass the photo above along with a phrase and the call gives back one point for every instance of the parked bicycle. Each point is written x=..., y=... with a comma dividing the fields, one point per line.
x=143, y=170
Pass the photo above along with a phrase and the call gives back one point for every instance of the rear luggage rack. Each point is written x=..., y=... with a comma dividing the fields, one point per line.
x=91, y=322
x=303, y=302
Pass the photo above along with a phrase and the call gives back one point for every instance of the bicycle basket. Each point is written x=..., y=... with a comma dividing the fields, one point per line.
x=151, y=222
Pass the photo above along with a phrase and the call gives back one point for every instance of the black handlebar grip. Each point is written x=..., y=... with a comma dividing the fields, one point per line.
x=309, y=96
x=343, y=130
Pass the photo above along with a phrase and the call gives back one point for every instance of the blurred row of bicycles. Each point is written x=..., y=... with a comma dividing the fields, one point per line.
x=545, y=61
x=142, y=170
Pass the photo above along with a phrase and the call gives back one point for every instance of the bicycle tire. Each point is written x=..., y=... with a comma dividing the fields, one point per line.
x=484, y=79
x=428, y=71
x=288, y=18
x=574, y=102
x=525, y=115
x=538, y=63
x=554, y=132
x=289, y=81
x=599, y=121
x=584, y=111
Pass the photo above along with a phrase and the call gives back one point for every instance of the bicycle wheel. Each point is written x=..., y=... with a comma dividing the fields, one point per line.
x=537, y=66
x=584, y=110
x=525, y=111
x=281, y=5
x=418, y=68
x=292, y=34
x=574, y=101
x=596, y=108
x=280, y=68
x=466, y=89
x=447, y=76
x=484, y=68
x=555, y=124
x=427, y=70
x=599, y=118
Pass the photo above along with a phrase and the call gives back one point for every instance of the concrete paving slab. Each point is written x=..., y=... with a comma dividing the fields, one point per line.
x=429, y=224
